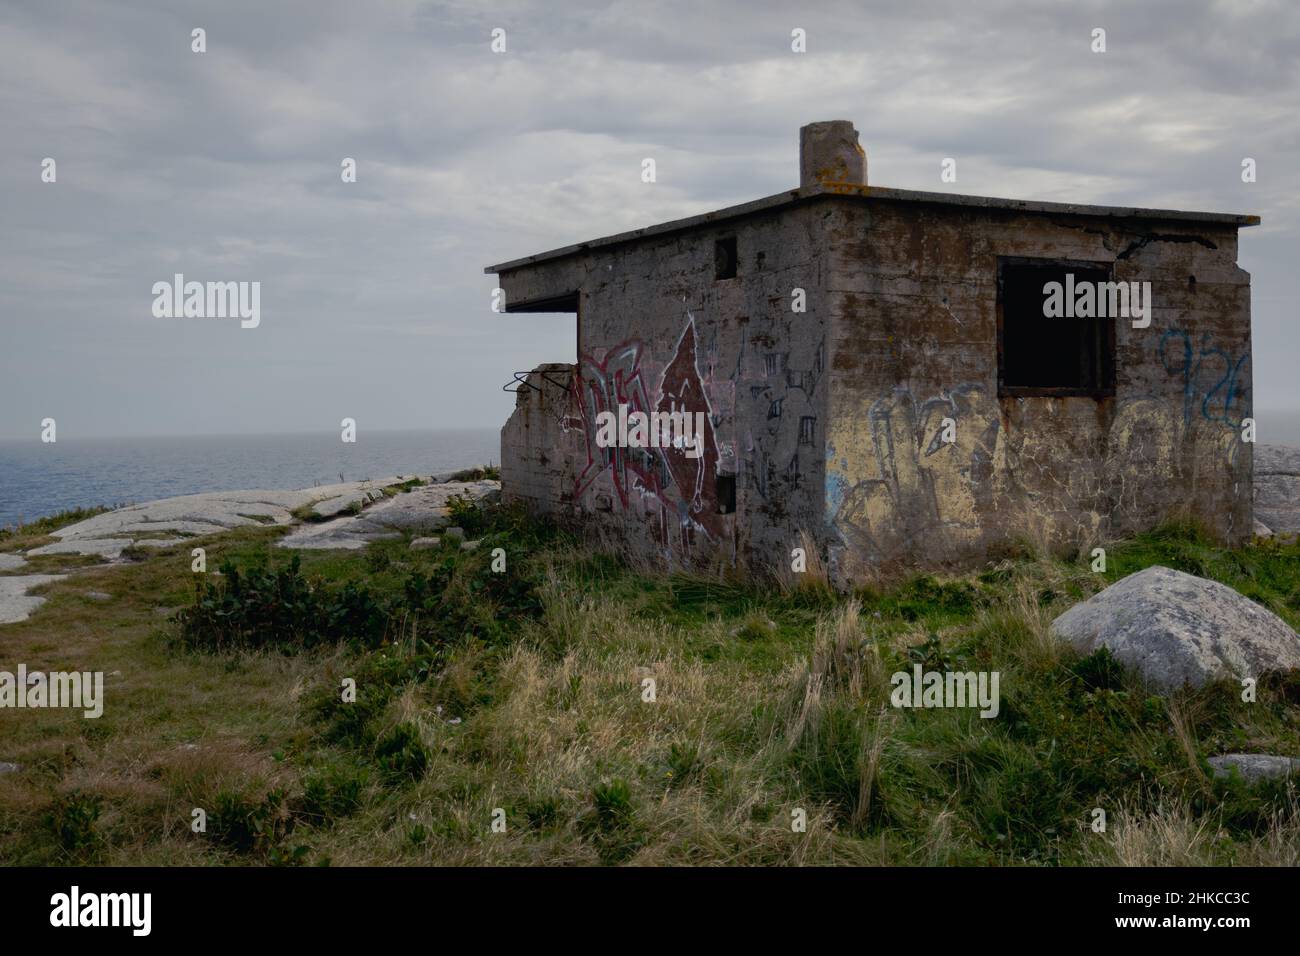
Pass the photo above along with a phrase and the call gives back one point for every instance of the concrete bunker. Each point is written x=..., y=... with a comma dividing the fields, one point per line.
x=877, y=375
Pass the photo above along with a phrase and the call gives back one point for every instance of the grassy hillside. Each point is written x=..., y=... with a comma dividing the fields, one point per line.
x=519, y=696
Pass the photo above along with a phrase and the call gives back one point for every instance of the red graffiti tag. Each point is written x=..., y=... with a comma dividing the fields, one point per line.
x=682, y=390
x=685, y=487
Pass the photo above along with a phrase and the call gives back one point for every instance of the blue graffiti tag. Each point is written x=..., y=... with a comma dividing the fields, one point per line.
x=1218, y=400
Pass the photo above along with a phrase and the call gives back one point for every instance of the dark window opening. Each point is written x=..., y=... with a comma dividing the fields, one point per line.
x=1040, y=354
x=807, y=427
x=724, y=258
x=725, y=486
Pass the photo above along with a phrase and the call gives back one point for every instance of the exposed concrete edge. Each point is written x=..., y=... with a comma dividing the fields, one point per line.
x=853, y=192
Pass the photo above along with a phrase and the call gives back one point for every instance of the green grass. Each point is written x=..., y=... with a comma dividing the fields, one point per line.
x=524, y=693
x=486, y=472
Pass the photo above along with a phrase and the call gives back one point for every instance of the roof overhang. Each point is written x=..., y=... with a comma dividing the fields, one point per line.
x=853, y=192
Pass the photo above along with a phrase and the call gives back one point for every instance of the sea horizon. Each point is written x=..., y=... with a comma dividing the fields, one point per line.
x=40, y=479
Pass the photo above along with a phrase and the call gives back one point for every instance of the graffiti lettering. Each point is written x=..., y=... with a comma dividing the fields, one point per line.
x=681, y=480
x=1209, y=374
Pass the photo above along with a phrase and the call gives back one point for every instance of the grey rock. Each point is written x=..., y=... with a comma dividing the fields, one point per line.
x=425, y=544
x=341, y=534
x=469, y=545
x=425, y=508
x=158, y=542
x=1254, y=767
x=353, y=498
x=11, y=562
x=15, y=603
x=1262, y=530
x=99, y=596
x=6, y=767
x=1277, y=488
x=333, y=507
x=1277, y=460
x=1277, y=502
x=109, y=548
x=455, y=534
x=209, y=513
x=421, y=510
x=1177, y=629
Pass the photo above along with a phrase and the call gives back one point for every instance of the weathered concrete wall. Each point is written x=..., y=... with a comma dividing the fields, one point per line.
x=913, y=339
x=533, y=442
x=658, y=331
x=830, y=419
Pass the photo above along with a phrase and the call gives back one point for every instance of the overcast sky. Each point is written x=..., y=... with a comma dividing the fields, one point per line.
x=225, y=165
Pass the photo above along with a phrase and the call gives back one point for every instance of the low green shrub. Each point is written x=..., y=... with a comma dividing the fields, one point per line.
x=264, y=607
x=72, y=820
x=611, y=824
x=401, y=754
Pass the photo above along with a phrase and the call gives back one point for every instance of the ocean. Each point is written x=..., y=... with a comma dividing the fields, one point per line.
x=38, y=479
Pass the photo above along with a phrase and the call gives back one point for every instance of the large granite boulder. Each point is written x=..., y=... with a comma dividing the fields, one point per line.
x=1177, y=629
x=1277, y=488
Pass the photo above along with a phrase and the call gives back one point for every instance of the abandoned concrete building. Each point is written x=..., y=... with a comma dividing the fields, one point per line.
x=880, y=376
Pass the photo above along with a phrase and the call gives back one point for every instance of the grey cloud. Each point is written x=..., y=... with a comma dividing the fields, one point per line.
x=226, y=166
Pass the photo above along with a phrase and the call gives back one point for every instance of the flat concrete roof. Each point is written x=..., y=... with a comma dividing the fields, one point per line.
x=850, y=191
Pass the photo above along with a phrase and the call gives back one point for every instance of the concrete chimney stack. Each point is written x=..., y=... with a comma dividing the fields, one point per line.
x=829, y=154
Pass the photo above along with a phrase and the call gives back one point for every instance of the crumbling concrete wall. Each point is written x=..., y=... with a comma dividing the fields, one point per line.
x=657, y=330
x=913, y=339
x=535, y=448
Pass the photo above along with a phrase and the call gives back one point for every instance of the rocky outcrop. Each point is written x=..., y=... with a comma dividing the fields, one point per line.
x=16, y=604
x=1277, y=489
x=1177, y=629
x=211, y=513
x=421, y=510
x=346, y=516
